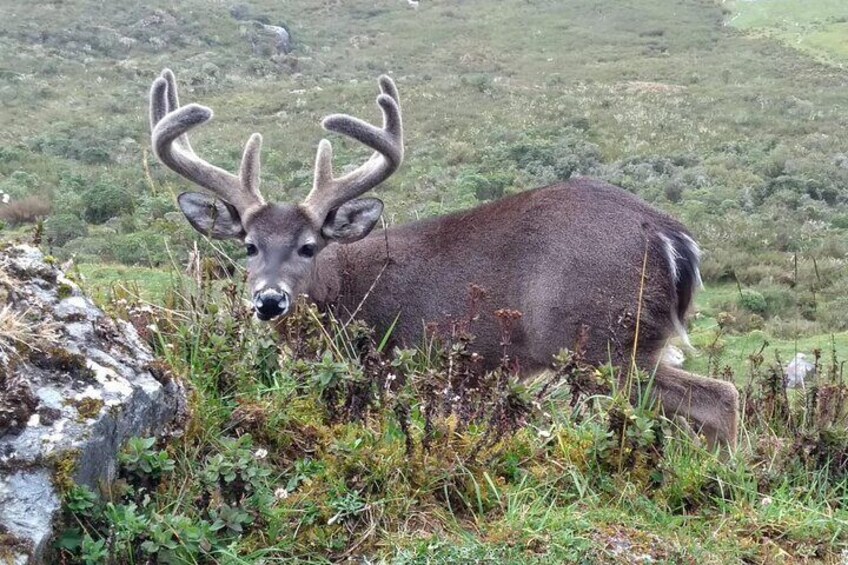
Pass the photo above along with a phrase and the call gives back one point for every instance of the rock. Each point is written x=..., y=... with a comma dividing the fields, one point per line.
x=268, y=40
x=75, y=385
x=798, y=371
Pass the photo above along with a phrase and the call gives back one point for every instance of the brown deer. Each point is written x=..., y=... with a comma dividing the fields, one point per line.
x=581, y=259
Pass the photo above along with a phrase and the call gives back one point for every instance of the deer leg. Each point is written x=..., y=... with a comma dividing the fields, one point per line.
x=711, y=406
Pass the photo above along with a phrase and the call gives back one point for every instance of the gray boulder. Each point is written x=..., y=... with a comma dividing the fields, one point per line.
x=798, y=371
x=267, y=40
x=75, y=385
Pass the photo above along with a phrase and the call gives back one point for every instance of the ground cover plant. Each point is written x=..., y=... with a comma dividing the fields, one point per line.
x=330, y=447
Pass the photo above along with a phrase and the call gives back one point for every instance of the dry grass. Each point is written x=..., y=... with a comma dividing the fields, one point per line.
x=19, y=329
x=26, y=210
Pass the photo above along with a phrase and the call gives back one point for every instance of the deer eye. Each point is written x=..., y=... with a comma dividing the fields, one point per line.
x=307, y=250
x=251, y=249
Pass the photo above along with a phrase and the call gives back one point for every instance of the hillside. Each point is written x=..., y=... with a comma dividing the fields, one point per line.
x=731, y=116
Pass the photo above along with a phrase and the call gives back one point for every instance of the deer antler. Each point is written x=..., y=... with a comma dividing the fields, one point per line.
x=170, y=124
x=329, y=192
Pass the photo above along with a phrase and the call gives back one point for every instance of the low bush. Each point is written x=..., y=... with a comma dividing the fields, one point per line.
x=62, y=228
x=753, y=301
x=105, y=200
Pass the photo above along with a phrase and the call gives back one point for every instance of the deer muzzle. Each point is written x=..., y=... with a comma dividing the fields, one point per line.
x=271, y=303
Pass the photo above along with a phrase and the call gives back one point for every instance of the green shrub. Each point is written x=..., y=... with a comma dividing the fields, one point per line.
x=753, y=301
x=140, y=248
x=155, y=207
x=106, y=200
x=21, y=184
x=62, y=228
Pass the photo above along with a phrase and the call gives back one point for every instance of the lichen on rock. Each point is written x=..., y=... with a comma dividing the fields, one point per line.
x=75, y=385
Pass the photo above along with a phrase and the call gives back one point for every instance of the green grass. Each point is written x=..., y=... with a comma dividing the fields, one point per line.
x=736, y=347
x=105, y=281
x=818, y=28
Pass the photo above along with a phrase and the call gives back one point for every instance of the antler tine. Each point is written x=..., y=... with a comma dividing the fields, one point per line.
x=170, y=124
x=329, y=192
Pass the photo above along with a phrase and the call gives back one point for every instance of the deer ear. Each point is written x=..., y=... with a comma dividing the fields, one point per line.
x=353, y=220
x=211, y=216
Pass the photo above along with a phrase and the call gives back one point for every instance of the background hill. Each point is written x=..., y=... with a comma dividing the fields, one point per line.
x=706, y=110
x=729, y=115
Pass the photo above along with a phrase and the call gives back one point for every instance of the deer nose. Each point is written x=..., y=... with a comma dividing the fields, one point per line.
x=271, y=303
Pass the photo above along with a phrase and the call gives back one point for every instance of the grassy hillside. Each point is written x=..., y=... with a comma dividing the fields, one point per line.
x=741, y=137
x=818, y=28
x=729, y=115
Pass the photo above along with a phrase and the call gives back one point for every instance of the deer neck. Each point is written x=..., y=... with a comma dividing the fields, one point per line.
x=343, y=273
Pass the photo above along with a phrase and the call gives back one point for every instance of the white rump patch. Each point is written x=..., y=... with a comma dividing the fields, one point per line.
x=673, y=356
x=693, y=248
x=672, y=255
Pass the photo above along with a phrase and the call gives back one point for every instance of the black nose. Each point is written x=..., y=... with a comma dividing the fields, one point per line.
x=271, y=303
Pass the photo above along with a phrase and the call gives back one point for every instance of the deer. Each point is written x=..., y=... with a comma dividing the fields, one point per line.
x=581, y=260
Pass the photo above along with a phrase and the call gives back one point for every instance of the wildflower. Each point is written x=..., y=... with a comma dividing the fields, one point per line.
x=260, y=453
x=281, y=494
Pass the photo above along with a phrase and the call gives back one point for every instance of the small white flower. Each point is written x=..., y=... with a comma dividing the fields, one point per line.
x=281, y=494
x=766, y=501
x=5, y=198
x=260, y=453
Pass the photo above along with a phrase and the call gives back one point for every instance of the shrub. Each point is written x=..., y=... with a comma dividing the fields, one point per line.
x=753, y=301
x=106, y=200
x=20, y=184
x=24, y=211
x=62, y=228
x=141, y=248
x=156, y=206
x=67, y=197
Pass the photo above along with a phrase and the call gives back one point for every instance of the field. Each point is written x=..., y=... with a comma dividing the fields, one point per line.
x=816, y=28
x=731, y=116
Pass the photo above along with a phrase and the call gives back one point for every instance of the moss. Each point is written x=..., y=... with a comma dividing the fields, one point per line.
x=61, y=360
x=17, y=402
x=161, y=371
x=65, y=291
x=64, y=466
x=87, y=407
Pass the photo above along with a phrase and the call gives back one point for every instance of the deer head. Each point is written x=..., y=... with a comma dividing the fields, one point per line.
x=282, y=240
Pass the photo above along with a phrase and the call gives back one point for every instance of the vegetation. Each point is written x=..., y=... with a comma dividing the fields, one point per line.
x=728, y=115
x=328, y=448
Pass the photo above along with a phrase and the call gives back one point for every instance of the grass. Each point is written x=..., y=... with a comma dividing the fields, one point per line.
x=717, y=347
x=817, y=28
x=103, y=281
